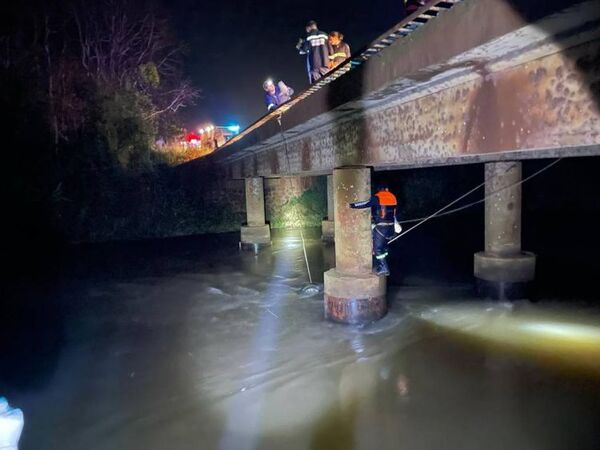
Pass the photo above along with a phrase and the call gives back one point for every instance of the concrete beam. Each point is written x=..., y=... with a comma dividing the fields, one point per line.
x=353, y=294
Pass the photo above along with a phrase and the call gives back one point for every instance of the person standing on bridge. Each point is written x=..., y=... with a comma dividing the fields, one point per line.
x=340, y=51
x=317, y=49
x=384, y=222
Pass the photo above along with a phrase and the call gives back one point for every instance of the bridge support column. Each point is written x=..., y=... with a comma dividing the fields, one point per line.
x=353, y=294
x=256, y=233
x=503, y=270
x=328, y=226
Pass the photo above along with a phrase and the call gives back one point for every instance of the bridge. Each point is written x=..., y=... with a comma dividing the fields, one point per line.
x=461, y=81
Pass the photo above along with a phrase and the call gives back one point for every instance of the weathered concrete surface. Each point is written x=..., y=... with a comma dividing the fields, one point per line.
x=501, y=88
x=259, y=235
x=255, y=201
x=256, y=233
x=353, y=252
x=295, y=202
x=503, y=261
x=354, y=299
x=353, y=294
x=503, y=208
x=328, y=225
x=517, y=268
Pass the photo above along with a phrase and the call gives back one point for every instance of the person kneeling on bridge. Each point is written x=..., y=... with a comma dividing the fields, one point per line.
x=384, y=217
x=276, y=95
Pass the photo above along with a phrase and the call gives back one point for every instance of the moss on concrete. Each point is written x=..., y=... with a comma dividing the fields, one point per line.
x=304, y=210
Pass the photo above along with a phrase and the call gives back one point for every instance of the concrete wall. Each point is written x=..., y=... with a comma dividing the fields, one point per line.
x=294, y=202
x=219, y=202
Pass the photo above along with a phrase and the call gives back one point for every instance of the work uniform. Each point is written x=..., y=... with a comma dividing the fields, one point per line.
x=384, y=214
x=339, y=53
x=316, y=47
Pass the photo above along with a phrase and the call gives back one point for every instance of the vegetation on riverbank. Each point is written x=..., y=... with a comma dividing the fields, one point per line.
x=90, y=99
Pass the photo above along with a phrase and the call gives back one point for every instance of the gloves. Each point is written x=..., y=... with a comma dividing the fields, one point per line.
x=397, y=227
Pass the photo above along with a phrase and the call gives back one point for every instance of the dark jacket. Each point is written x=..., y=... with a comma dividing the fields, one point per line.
x=317, y=49
x=384, y=207
x=339, y=53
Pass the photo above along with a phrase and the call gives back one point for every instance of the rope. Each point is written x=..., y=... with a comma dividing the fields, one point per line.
x=289, y=170
x=440, y=212
x=306, y=257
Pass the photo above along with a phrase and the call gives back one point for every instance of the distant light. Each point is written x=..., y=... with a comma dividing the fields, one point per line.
x=234, y=128
x=201, y=130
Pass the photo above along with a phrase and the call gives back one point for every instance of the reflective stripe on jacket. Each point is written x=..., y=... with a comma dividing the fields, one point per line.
x=316, y=47
x=339, y=53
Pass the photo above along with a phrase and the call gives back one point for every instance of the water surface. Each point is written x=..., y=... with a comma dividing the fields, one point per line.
x=188, y=344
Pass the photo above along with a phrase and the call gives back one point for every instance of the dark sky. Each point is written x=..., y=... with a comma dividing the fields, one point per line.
x=234, y=45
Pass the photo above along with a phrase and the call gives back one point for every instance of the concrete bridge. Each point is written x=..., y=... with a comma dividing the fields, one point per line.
x=471, y=81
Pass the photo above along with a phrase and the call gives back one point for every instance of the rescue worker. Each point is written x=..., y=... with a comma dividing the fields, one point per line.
x=276, y=95
x=384, y=222
x=317, y=49
x=340, y=51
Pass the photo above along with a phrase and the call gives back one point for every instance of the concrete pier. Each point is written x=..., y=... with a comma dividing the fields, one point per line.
x=353, y=294
x=256, y=233
x=502, y=269
x=328, y=226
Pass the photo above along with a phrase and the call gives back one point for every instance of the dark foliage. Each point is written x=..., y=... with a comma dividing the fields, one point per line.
x=88, y=88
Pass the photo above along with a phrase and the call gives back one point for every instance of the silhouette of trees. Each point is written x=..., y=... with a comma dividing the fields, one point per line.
x=89, y=87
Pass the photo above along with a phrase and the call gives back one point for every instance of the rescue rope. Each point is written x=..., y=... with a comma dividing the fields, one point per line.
x=306, y=258
x=311, y=285
x=440, y=212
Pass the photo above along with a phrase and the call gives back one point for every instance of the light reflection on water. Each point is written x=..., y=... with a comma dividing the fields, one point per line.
x=559, y=335
x=225, y=354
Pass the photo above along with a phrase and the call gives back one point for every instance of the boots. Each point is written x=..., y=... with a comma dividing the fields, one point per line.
x=381, y=267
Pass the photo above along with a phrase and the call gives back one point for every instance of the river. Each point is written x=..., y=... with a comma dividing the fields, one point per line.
x=189, y=344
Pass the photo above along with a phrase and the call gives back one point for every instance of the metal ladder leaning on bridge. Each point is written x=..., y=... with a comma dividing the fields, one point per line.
x=411, y=23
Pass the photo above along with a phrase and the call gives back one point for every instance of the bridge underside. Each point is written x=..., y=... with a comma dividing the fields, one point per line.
x=533, y=92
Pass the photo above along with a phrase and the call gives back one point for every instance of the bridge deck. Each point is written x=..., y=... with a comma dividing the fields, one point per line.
x=483, y=80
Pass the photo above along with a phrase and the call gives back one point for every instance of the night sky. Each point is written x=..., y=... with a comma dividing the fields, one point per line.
x=234, y=45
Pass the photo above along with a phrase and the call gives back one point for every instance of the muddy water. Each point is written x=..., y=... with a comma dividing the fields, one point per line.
x=190, y=345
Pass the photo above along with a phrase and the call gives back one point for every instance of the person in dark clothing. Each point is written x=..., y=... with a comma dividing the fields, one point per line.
x=385, y=223
x=340, y=51
x=317, y=49
x=413, y=5
x=276, y=95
